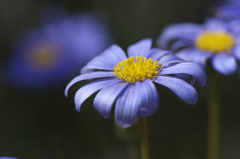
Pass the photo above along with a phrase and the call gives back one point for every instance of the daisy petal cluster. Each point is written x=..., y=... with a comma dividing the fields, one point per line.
x=52, y=53
x=128, y=81
x=215, y=41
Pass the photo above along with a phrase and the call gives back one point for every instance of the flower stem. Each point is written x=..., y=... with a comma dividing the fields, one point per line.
x=213, y=117
x=144, y=138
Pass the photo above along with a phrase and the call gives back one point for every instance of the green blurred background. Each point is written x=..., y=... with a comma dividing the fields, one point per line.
x=45, y=125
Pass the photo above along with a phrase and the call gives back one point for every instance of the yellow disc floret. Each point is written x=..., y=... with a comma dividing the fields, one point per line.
x=215, y=41
x=133, y=70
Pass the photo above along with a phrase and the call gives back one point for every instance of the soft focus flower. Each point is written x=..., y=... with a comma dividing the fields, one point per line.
x=216, y=41
x=129, y=80
x=5, y=157
x=51, y=54
x=228, y=11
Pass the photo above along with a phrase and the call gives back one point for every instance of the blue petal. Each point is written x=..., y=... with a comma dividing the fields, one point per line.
x=189, y=68
x=149, y=97
x=182, y=89
x=105, y=98
x=86, y=76
x=236, y=52
x=180, y=44
x=183, y=31
x=167, y=58
x=215, y=25
x=228, y=11
x=107, y=60
x=86, y=91
x=194, y=55
x=156, y=54
x=140, y=48
x=224, y=64
x=127, y=106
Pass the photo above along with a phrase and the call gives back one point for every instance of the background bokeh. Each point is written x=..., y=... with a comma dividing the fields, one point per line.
x=45, y=125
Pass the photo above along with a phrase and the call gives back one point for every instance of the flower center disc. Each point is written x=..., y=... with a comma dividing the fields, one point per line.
x=214, y=41
x=132, y=70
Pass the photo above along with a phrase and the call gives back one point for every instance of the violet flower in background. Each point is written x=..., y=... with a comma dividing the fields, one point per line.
x=129, y=80
x=53, y=53
x=228, y=10
x=5, y=157
x=216, y=41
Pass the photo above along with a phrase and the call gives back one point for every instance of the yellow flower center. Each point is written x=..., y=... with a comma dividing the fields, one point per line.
x=42, y=57
x=132, y=70
x=214, y=41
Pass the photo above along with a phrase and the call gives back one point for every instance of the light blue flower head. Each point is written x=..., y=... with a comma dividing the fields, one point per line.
x=130, y=81
x=215, y=41
x=53, y=53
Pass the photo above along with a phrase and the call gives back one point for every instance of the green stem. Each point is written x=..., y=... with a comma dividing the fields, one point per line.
x=213, y=117
x=144, y=138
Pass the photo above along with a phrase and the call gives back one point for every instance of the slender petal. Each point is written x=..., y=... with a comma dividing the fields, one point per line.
x=166, y=58
x=224, y=64
x=140, y=49
x=127, y=106
x=86, y=91
x=181, y=88
x=236, y=52
x=186, y=31
x=149, y=96
x=87, y=76
x=189, y=68
x=215, y=25
x=181, y=43
x=105, y=98
x=194, y=55
x=156, y=54
x=107, y=60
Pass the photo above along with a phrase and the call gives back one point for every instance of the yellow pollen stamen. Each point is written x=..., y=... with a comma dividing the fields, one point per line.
x=215, y=41
x=133, y=70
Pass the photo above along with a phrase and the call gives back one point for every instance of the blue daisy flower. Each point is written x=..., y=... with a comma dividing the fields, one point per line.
x=5, y=157
x=130, y=81
x=51, y=54
x=215, y=41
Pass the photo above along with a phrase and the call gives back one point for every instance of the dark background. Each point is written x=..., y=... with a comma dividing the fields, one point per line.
x=45, y=125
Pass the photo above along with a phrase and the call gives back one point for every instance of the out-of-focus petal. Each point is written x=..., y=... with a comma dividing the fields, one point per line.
x=140, y=48
x=224, y=64
x=167, y=58
x=180, y=44
x=186, y=31
x=87, y=76
x=105, y=98
x=215, y=25
x=156, y=54
x=194, y=55
x=107, y=60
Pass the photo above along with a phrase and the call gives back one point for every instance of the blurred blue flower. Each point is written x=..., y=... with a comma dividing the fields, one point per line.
x=216, y=41
x=53, y=53
x=5, y=157
x=228, y=10
x=130, y=81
